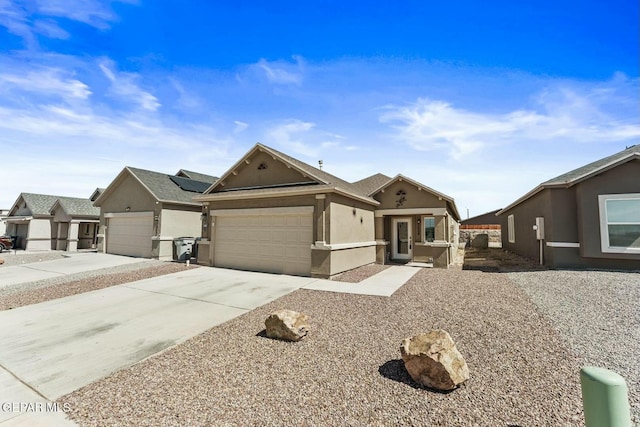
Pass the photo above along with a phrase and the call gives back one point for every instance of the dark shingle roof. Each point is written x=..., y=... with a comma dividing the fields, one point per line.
x=197, y=176
x=586, y=170
x=78, y=207
x=577, y=175
x=161, y=186
x=368, y=185
x=39, y=204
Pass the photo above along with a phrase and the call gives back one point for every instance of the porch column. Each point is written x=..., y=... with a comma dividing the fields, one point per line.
x=72, y=239
x=381, y=244
x=320, y=217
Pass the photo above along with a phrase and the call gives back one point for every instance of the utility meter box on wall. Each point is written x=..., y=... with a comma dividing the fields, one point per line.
x=539, y=227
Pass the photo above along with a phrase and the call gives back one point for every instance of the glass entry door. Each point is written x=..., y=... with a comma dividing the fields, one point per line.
x=402, y=245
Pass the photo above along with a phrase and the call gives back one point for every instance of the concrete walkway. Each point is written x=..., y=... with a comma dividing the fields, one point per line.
x=383, y=284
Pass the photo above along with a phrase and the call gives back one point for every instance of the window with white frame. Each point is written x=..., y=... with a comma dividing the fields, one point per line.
x=511, y=229
x=429, y=228
x=620, y=222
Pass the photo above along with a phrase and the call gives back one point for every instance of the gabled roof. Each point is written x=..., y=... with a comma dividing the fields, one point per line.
x=159, y=185
x=482, y=219
x=400, y=177
x=367, y=185
x=325, y=181
x=580, y=174
x=38, y=204
x=96, y=193
x=197, y=176
x=73, y=206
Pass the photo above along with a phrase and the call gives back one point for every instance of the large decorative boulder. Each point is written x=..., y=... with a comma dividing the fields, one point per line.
x=287, y=325
x=433, y=360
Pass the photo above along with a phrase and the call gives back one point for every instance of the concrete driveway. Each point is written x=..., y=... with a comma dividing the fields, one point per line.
x=55, y=347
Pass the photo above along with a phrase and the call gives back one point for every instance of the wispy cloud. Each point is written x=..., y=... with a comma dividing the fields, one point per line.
x=561, y=113
x=281, y=72
x=304, y=138
x=45, y=82
x=124, y=86
x=240, y=126
x=29, y=19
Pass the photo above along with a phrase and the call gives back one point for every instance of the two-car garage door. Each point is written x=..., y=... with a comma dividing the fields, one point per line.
x=269, y=240
x=130, y=234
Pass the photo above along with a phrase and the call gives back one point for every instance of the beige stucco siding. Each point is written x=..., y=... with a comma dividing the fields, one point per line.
x=40, y=234
x=350, y=224
x=263, y=170
x=392, y=197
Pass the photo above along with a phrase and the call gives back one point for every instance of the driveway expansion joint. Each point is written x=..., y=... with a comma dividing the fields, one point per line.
x=26, y=384
x=187, y=298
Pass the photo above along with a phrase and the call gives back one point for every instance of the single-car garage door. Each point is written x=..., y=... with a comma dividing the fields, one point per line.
x=130, y=234
x=265, y=240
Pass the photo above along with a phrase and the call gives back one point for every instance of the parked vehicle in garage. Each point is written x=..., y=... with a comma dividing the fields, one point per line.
x=5, y=243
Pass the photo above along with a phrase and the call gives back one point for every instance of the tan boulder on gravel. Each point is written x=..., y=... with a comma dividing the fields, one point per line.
x=287, y=325
x=1, y=261
x=433, y=360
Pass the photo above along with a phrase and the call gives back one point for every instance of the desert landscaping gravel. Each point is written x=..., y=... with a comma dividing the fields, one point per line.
x=63, y=286
x=359, y=274
x=598, y=315
x=20, y=257
x=348, y=370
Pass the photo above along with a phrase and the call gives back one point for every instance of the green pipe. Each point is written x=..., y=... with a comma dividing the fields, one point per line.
x=604, y=398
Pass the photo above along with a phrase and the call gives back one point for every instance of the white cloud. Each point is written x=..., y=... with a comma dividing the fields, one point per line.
x=281, y=72
x=240, y=126
x=562, y=113
x=124, y=86
x=46, y=81
x=91, y=12
x=287, y=135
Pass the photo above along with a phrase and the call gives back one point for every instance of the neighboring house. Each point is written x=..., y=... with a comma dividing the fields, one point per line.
x=142, y=211
x=74, y=224
x=273, y=213
x=45, y=222
x=3, y=224
x=472, y=230
x=588, y=217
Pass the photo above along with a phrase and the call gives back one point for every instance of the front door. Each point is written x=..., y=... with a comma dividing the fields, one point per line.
x=402, y=244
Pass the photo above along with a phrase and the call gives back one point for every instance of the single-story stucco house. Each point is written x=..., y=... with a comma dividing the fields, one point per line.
x=586, y=218
x=142, y=212
x=45, y=222
x=270, y=212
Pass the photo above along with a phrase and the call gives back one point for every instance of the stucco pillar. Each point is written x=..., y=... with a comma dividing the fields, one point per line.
x=320, y=217
x=72, y=237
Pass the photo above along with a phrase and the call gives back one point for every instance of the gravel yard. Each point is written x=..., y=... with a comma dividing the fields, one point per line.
x=21, y=257
x=60, y=287
x=359, y=274
x=597, y=314
x=348, y=370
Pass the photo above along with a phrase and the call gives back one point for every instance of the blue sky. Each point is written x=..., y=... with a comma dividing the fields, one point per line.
x=479, y=100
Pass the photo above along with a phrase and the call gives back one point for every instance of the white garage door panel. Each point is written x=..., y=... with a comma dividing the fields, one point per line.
x=130, y=235
x=273, y=243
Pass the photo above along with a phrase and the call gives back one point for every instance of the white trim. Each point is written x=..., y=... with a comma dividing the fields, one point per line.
x=511, y=228
x=340, y=246
x=294, y=210
x=416, y=211
x=563, y=245
x=435, y=244
x=604, y=229
x=127, y=214
x=164, y=238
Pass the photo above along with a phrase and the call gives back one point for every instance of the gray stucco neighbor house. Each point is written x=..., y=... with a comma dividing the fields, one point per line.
x=586, y=218
x=46, y=222
x=142, y=211
x=271, y=212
